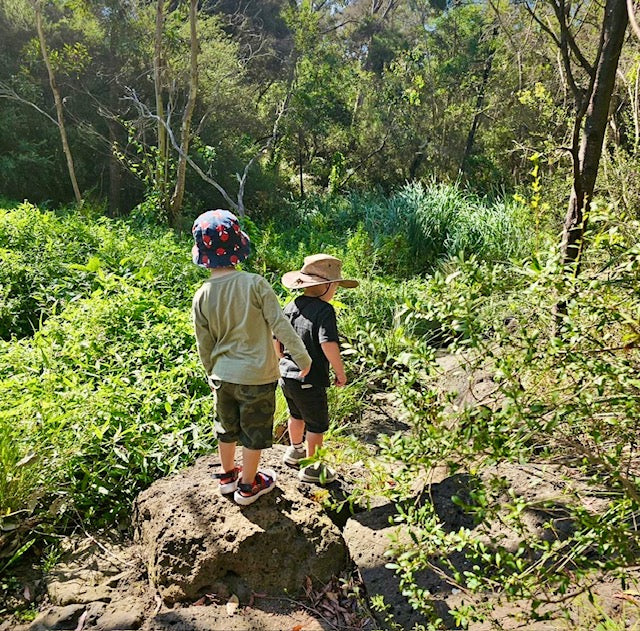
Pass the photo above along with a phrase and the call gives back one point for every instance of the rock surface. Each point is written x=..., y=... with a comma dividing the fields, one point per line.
x=194, y=541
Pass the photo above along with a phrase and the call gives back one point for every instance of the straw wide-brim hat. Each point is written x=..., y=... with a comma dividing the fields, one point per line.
x=318, y=269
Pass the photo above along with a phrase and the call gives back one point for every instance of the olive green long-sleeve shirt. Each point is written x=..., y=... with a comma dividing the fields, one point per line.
x=235, y=318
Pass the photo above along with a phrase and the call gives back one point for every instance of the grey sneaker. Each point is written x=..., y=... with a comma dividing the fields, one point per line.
x=293, y=456
x=318, y=473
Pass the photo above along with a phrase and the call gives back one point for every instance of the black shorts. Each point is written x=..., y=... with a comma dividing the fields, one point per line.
x=307, y=403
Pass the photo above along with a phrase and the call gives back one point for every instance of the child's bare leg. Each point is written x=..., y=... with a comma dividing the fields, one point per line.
x=314, y=441
x=296, y=430
x=227, y=452
x=250, y=462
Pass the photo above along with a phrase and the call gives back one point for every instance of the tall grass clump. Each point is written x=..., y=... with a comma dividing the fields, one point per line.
x=416, y=228
x=443, y=221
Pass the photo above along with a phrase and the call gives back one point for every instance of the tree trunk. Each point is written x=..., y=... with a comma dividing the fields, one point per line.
x=300, y=175
x=158, y=82
x=595, y=123
x=58, y=101
x=479, y=102
x=115, y=170
x=185, y=131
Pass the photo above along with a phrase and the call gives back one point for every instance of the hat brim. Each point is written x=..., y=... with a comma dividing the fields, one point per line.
x=300, y=280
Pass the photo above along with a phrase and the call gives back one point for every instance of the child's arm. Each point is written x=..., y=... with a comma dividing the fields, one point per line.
x=204, y=342
x=332, y=353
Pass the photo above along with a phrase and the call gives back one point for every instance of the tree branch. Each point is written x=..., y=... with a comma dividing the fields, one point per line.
x=352, y=171
x=559, y=9
x=147, y=113
x=7, y=92
x=632, y=18
x=564, y=51
x=270, y=142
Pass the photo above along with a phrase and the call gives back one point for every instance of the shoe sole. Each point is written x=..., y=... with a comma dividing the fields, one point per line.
x=292, y=461
x=307, y=478
x=245, y=501
x=230, y=487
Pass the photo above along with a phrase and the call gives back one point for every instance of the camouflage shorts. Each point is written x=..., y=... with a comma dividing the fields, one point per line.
x=244, y=414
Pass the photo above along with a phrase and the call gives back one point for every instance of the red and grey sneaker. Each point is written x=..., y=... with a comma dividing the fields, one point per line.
x=228, y=480
x=248, y=493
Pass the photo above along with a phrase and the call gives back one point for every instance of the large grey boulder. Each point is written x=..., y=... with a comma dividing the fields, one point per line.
x=195, y=542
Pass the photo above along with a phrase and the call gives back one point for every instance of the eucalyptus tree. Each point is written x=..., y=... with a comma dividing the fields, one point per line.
x=53, y=63
x=37, y=7
x=589, y=38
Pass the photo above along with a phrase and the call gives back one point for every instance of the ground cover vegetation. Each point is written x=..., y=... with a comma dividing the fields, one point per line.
x=102, y=392
x=435, y=147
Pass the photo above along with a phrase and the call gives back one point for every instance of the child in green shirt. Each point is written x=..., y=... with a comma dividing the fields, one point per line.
x=236, y=314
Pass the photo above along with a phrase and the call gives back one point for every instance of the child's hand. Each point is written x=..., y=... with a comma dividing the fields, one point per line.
x=340, y=380
x=305, y=371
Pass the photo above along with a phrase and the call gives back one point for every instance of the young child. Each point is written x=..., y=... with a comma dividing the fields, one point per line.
x=314, y=319
x=236, y=315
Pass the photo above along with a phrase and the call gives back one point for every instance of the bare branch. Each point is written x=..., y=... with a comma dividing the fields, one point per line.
x=632, y=18
x=566, y=36
x=564, y=51
x=147, y=113
x=353, y=170
x=7, y=92
x=242, y=179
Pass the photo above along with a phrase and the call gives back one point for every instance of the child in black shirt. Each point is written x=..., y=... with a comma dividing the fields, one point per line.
x=314, y=319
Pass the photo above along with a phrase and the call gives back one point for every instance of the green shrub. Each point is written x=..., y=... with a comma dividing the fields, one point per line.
x=567, y=399
x=112, y=395
x=52, y=259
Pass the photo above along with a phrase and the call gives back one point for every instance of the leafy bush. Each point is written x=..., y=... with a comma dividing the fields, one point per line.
x=45, y=251
x=112, y=396
x=567, y=400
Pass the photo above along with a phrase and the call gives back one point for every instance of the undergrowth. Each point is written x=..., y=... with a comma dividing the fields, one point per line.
x=566, y=403
x=101, y=391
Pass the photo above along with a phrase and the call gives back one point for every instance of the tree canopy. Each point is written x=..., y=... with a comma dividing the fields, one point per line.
x=299, y=97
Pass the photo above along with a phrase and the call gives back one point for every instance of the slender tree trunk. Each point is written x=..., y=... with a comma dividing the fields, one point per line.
x=595, y=123
x=418, y=157
x=185, y=132
x=115, y=170
x=479, y=101
x=158, y=83
x=300, y=163
x=58, y=101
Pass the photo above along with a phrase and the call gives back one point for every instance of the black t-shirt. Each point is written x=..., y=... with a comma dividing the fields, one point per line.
x=315, y=322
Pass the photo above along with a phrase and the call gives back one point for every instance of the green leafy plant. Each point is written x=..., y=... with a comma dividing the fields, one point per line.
x=566, y=402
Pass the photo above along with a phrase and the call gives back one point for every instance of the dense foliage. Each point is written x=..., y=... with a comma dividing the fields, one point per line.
x=308, y=97
x=102, y=393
